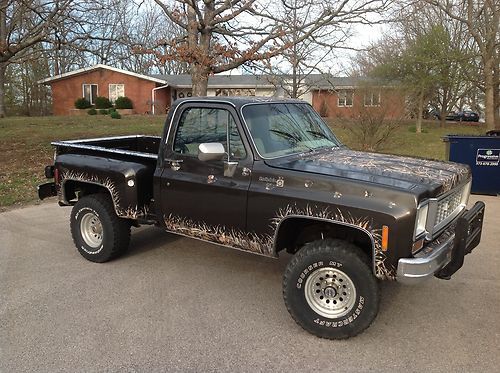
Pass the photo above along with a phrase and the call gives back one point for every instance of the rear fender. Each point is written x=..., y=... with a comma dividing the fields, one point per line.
x=127, y=183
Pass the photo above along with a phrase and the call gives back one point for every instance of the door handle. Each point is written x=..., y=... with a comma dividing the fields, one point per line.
x=246, y=171
x=211, y=179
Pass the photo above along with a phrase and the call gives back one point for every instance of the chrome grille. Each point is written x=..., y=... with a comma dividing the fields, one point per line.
x=448, y=205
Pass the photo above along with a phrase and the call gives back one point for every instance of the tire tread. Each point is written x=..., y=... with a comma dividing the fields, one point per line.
x=327, y=246
x=120, y=227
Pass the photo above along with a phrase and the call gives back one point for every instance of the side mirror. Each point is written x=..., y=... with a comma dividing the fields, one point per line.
x=210, y=151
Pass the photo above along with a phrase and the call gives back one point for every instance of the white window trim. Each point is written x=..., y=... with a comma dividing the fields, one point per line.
x=371, y=100
x=346, y=92
x=90, y=84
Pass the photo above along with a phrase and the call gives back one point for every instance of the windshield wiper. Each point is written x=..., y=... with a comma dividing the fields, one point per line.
x=318, y=134
x=293, y=137
x=286, y=134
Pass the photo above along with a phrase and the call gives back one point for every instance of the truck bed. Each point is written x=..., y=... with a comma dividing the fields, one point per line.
x=135, y=145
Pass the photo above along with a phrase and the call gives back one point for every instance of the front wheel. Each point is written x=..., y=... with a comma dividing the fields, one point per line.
x=329, y=289
x=98, y=233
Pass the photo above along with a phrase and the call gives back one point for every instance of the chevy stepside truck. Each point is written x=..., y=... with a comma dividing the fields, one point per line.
x=268, y=176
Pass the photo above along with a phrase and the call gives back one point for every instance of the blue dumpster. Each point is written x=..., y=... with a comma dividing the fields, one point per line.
x=482, y=154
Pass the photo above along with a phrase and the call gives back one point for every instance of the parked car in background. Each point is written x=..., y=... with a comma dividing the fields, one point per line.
x=451, y=115
x=463, y=116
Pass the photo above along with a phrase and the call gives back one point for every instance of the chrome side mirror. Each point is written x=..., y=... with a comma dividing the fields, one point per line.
x=210, y=151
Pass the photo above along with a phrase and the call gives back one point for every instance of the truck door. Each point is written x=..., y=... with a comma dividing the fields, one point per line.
x=206, y=199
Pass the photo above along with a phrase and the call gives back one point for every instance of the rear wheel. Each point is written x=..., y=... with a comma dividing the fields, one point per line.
x=98, y=233
x=329, y=289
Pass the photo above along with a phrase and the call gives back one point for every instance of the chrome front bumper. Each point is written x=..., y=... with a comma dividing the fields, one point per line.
x=445, y=255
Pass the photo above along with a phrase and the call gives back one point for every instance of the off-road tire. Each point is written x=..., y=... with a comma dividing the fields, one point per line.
x=115, y=232
x=350, y=265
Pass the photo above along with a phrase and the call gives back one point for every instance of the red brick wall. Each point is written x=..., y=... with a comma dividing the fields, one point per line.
x=66, y=91
x=392, y=102
x=162, y=100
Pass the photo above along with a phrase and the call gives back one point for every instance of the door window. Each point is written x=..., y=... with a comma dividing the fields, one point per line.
x=200, y=125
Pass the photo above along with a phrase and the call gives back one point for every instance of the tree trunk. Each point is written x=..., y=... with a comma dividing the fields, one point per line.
x=3, y=69
x=489, y=90
x=442, y=119
x=496, y=94
x=199, y=43
x=445, y=102
x=199, y=75
x=418, y=128
x=3, y=64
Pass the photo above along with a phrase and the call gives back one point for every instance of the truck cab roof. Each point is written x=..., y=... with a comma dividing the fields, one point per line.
x=238, y=101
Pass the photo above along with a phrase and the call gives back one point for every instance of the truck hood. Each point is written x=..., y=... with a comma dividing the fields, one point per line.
x=401, y=172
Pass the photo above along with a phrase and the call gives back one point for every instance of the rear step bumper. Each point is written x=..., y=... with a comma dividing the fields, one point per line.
x=47, y=190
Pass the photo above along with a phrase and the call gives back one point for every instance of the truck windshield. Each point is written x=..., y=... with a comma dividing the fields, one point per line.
x=280, y=129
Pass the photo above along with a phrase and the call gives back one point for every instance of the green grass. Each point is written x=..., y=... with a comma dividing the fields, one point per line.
x=405, y=141
x=26, y=150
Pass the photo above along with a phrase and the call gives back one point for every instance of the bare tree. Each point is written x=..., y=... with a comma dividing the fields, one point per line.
x=24, y=24
x=292, y=70
x=144, y=48
x=374, y=127
x=482, y=21
x=446, y=69
x=220, y=35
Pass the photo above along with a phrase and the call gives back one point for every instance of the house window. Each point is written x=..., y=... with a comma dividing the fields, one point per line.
x=345, y=98
x=372, y=99
x=90, y=92
x=115, y=91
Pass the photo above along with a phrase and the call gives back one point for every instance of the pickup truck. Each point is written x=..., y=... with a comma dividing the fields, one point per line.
x=268, y=177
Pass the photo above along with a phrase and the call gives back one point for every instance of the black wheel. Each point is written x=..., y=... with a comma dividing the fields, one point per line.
x=329, y=289
x=98, y=233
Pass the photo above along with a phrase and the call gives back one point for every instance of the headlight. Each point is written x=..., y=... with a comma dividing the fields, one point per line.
x=466, y=194
x=421, y=219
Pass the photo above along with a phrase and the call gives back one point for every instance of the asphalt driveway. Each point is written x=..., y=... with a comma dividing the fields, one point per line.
x=175, y=304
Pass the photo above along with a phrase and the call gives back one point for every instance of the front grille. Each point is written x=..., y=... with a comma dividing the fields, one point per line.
x=448, y=205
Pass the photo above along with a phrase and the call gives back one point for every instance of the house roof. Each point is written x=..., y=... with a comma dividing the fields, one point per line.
x=315, y=81
x=219, y=81
x=96, y=67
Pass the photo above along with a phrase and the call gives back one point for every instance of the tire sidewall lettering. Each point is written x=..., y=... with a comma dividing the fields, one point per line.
x=82, y=246
x=86, y=209
x=345, y=320
x=315, y=265
x=317, y=319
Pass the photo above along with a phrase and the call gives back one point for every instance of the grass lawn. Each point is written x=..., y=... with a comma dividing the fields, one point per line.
x=405, y=141
x=26, y=149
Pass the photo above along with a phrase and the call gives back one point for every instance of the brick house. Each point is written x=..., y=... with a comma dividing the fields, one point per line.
x=154, y=94
x=107, y=81
x=351, y=99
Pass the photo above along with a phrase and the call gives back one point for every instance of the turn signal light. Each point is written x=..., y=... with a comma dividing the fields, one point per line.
x=385, y=237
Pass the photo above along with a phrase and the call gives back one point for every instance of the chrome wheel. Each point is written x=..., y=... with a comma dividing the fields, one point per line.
x=330, y=292
x=91, y=230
